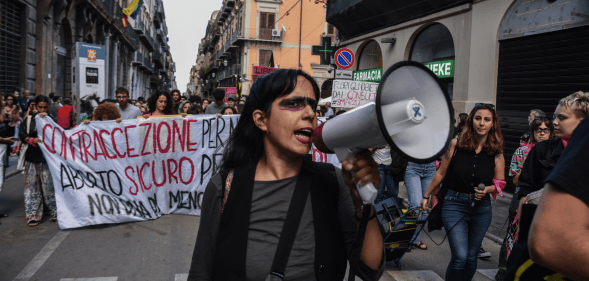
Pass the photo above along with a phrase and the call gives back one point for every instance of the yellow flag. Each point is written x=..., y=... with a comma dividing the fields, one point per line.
x=131, y=8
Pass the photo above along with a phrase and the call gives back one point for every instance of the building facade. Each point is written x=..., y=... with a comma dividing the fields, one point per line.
x=245, y=34
x=517, y=54
x=37, y=38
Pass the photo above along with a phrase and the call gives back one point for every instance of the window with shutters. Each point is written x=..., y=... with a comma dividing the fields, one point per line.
x=10, y=41
x=265, y=57
x=266, y=25
x=330, y=29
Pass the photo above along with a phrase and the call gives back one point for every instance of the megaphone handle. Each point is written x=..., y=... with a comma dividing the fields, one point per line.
x=368, y=191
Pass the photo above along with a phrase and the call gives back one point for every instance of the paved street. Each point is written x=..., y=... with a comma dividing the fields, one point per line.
x=152, y=250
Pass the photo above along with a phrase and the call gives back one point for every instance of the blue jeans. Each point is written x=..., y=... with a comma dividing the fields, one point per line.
x=417, y=180
x=386, y=179
x=466, y=227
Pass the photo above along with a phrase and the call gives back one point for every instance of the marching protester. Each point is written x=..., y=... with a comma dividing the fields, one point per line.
x=38, y=180
x=565, y=192
x=5, y=142
x=540, y=130
x=535, y=113
x=461, y=122
x=32, y=109
x=219, y=104
x=175, y=99
x=417, y=180
x=22, y=101
x=53, y=107
x=544, y=155
x=382, y=157
x=128, y=111
x=184, y=107
x=205, y=103
x=160, y=103
x=105, y=112
x=195, y=109
x=540, y=162
x=476, y=158
x=228, y=110
x=232, y=100
x=329, y=110
x=248, y=206
x=11, y=111
x=65, y=114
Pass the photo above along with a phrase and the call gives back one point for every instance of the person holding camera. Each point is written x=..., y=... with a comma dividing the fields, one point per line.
x=270, y=211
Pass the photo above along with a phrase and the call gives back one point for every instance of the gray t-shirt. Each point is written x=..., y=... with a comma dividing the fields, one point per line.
x=131, y=112
x=270, y=202
x=214, y=109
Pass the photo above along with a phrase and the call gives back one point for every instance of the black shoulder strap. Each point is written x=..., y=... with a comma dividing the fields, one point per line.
x=291, y=225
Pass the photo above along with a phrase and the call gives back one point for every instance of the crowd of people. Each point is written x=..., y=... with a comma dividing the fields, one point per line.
x=265, y=157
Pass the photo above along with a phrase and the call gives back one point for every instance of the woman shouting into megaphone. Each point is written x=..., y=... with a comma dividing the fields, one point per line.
x=270, y=213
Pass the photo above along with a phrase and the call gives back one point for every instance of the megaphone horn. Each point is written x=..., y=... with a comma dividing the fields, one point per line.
x=412, y=114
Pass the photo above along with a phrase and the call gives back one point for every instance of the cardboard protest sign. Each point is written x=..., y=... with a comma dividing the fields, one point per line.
x=349, y=94
x=137, y=170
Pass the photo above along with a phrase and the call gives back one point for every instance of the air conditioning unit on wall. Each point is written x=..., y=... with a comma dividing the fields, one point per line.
x=275, y=33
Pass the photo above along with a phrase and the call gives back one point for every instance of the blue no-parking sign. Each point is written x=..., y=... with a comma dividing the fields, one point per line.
x=344, y=58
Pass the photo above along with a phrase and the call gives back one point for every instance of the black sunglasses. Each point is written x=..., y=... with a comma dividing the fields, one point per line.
x=492, y=106
x=541, y=118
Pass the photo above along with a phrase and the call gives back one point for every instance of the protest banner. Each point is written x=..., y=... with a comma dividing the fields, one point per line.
x=349, y=94
x=106, y=172
x=141, y=169
x=228, y=92
x=261, y=71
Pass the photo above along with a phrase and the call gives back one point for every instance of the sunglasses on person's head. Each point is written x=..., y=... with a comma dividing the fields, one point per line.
x=492, y=106
x=540, y=118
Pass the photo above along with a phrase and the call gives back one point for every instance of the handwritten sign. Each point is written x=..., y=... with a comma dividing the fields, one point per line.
x=349, y=94
x=261, y=70
x=137, y=170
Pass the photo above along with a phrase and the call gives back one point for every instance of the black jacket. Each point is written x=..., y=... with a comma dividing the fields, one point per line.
x=34, y=153
x=540, y=162
x=330, y=254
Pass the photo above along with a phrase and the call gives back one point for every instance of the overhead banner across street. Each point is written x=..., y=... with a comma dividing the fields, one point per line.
x=106, y=172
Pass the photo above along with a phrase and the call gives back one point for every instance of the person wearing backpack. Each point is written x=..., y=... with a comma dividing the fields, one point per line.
x=271, y=212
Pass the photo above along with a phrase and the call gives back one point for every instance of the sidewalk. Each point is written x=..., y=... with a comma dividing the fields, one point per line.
x=498, y=227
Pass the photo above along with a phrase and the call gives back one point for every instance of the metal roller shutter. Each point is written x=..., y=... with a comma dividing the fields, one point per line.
x=535, y=72
x=10, y=37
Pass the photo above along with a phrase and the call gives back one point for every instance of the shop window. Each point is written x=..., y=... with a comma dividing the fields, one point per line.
x=434, y=47
x=370, y=56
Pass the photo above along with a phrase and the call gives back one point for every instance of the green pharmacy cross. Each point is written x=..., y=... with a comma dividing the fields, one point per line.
x=324, y=50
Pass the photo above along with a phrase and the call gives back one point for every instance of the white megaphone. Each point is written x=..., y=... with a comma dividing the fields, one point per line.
x=412, y=114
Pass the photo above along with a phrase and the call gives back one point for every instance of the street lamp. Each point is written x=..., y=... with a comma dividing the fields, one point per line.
x=213, y=75
x=225, y=62
x=207, y=81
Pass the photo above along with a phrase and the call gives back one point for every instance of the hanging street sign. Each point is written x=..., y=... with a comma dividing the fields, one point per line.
x=343, y=74
x=368, y=75
x=344, y=58
x=325, y=51
x=443, y=69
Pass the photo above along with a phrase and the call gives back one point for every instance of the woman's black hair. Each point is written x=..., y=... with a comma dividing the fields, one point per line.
x=10, y=95
x=246, y=144
x=230, y=108
x=152, y=102
x=42, y=98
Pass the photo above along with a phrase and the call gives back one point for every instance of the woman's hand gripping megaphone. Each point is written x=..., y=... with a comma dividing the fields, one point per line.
x=359, y=173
